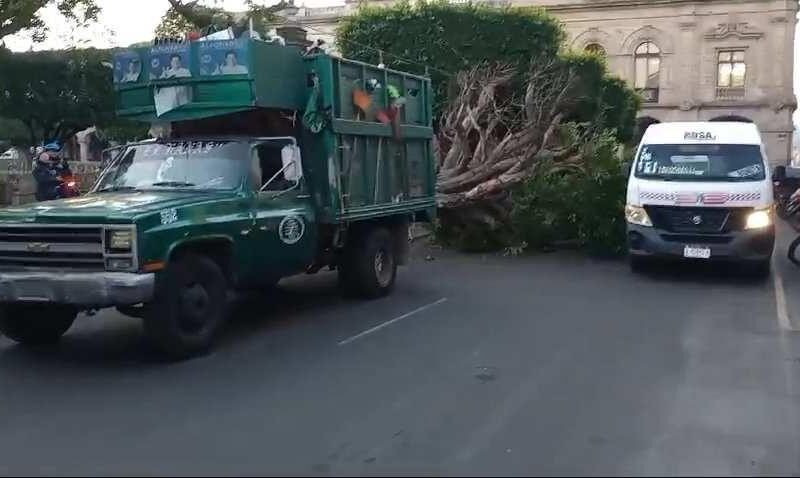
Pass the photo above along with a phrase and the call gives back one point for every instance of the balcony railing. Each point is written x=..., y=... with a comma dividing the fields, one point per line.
x=730, y=94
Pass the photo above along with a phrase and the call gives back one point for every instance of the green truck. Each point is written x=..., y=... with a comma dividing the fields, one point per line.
x=267, y=162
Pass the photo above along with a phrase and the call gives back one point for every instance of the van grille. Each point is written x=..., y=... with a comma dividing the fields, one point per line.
x=60, y=247
x=694, y=220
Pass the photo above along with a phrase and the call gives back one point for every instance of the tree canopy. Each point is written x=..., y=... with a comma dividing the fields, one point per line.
x=58, y=93
x=194, y=15
x=23, y=15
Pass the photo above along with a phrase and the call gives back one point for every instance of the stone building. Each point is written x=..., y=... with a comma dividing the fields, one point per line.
x=691, y=59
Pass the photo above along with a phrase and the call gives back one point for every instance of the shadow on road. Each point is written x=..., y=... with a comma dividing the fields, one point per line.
x=704, y=273
x=111, y=341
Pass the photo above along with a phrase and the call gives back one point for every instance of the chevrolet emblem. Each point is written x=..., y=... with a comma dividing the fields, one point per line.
x=38, y=247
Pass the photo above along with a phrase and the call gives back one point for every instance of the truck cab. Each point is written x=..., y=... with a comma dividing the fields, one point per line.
x=234, y=192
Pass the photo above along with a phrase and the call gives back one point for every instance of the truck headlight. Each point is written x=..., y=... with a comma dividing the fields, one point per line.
x=758, y=219
x=120, y=240
x=637, y=215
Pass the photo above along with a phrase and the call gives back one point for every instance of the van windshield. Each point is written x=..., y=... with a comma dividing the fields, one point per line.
x=700, y=162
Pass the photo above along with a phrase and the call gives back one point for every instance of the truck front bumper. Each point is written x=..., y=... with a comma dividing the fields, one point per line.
x=739, y=246
x=83, y=289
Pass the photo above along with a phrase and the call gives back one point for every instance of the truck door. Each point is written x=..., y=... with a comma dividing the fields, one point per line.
x=284, y=232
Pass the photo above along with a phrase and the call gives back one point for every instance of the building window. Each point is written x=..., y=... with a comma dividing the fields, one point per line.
x=595, y=49
x=647, y=65
x=731, y=73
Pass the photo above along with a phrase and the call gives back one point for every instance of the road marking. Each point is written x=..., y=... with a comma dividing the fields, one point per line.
x=780, y=301
x=390, y=322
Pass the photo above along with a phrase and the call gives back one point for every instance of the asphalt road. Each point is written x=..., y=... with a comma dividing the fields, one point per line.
x=553, y=364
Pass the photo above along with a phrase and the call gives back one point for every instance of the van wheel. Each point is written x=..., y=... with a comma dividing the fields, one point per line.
x=36, y=324
x=369, y=266
x=189, y=307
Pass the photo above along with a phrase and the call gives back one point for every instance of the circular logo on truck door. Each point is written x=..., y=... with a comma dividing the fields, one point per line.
x=291, y=229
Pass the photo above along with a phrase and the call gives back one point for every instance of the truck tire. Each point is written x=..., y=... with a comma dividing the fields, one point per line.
x=36, y=324
x=369, y=267
x=189, y=307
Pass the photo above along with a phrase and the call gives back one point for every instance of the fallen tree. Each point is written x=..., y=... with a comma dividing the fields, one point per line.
x=498, y=128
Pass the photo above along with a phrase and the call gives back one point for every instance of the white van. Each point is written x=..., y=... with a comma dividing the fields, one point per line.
x=701, y=191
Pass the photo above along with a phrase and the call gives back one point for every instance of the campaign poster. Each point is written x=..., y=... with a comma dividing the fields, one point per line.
x=223, y=57
x=127, y=67
x=170, y=60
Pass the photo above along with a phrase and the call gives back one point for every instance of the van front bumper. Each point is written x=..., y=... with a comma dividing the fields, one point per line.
x=83, y=289
x=739, y=246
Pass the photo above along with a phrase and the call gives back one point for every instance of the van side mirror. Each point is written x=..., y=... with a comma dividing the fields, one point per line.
x=292, y=163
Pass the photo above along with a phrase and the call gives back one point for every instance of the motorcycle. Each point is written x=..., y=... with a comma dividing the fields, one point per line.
x=67, y=187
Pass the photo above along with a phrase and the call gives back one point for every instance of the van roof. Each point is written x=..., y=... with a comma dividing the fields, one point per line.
x=712, y=132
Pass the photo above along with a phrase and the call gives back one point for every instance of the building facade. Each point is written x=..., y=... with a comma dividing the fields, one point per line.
x=690, y=59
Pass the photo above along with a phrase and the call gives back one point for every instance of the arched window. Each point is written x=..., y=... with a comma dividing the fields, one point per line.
x=596, y=49
x=647, y=65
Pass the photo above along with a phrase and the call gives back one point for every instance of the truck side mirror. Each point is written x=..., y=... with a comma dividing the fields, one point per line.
x=779, y=173
x=292, y=163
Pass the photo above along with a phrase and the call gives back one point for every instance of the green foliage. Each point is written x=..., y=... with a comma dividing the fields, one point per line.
x=14, y=132
x=55, y=94
x=472, y=236
x=175, y=25
x=583, y=204
x=448, y=38
x=185, y=16
x=599, y=93
x=22, y=15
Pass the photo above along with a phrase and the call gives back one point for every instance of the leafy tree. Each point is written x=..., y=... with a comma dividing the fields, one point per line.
x=57, y=93
x=194, y=15
x=21, y=15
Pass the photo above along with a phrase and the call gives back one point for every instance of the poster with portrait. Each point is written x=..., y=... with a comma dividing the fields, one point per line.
x=127, y=67
x=223, y=57
x=170, y=60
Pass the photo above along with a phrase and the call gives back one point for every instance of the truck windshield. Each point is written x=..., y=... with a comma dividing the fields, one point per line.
x=700, y=162
x=215, y=165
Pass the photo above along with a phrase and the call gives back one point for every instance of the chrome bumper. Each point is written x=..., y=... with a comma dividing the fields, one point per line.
x=86, y=289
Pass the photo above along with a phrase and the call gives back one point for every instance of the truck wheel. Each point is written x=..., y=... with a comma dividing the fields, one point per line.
x=36, y=324
x=369, y=268
x=189, y=307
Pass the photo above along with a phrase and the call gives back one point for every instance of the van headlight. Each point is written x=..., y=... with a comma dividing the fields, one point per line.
x=119, y=240
x=758, y=219
x=637, y=215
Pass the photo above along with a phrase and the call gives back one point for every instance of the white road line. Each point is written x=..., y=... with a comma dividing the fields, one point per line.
x=780, y=301
x=390, y=322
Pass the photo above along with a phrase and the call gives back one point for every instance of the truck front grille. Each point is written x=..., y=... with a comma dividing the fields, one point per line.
x=693, y=220
x=58, y=247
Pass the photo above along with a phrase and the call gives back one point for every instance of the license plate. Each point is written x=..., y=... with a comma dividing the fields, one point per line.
x=697, y=252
